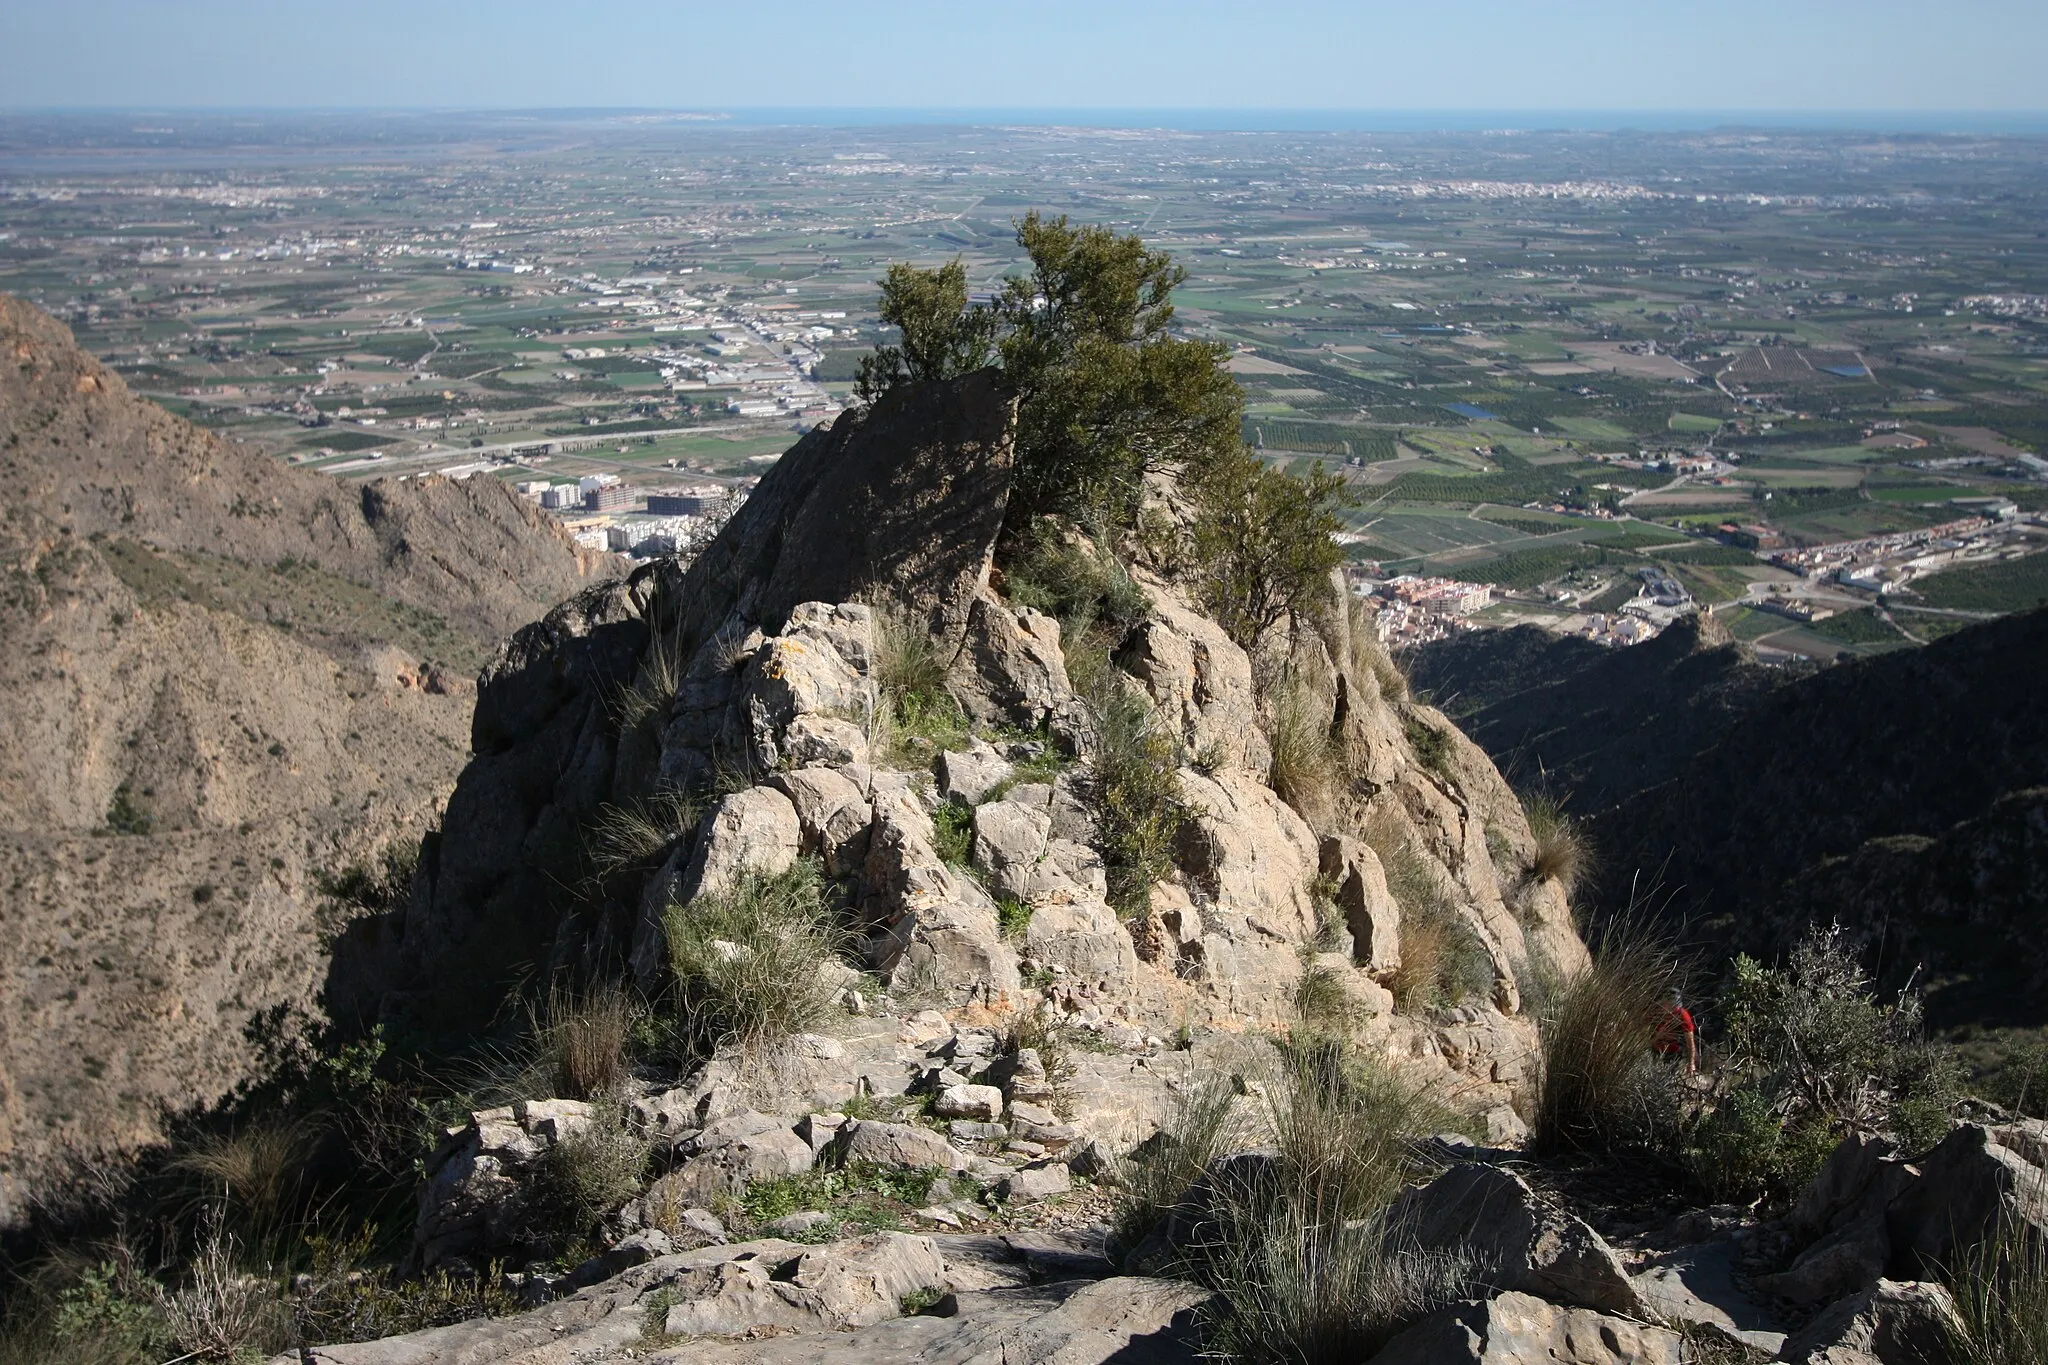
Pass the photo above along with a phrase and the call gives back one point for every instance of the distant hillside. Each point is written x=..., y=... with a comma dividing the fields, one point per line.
x=1710, y=783
x=226, y=682
x=1594, y=725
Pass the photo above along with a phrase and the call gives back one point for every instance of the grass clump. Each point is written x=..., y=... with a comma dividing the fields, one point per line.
x=1598, y=1030
x=953, y=833
x=1305, y=771
x=629, y=835
x=1297, y=1245
x=749, y=959
x=1432, y=747
x=1562, y=853
x=1014, y=917
x=1075, y=583
x=1444, y=963
x=583, y=1048
x=1139, y=807
x=2000, y=1288
x=914, y=712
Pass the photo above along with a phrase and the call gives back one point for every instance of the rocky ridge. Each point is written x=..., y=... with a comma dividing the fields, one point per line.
x=226, y=681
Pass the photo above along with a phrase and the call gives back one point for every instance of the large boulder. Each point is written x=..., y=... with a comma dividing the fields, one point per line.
x=1976, y=1176
x=1521, y=1329
x=1012, y=670
x=474, y=1199
x=1892, y=1322
x=852, y=1284
x=1518, y=1242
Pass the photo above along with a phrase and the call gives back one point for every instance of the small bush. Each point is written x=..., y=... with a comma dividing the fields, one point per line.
x=1813, y=1031
x=1072, y=581
x=341, y=1297
x=1263, y=542
x=583, y=1177
x=749, y=961
x=221, y=1312
x=381, y=885
x=1136, y=792
x=1562, y=853
x=2000, y=1288
x=1598, y=1035
x=869, y=1198
x=1320, y=997
x=1747, y=1148
x=1433, y=747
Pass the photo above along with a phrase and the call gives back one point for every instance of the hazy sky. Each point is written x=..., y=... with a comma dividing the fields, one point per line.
x=1315, y=54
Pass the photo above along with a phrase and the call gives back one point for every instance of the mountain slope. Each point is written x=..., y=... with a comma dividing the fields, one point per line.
x=215, y=699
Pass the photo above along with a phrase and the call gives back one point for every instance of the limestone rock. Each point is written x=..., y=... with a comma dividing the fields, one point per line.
x=979, y=1103
x=1013, y=670
x=1898, y=1323
x=847, y=1285
x=1965, y=1185
x=753, y=830
x=1009, y=840
x=1520, y=1243
x=1035, y=1183
x=1369, y=909
x=969, y=776
x=1520, y=1329
x=832, y=816
x=898, y=1146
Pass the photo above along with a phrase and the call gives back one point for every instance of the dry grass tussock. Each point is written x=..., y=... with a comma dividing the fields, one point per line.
x=583, y=1042
x=252, y=1179
x=1597, y=1031
x=645, y=700
x=1443, y=960
x=1308, y=771
x=1368, y=668
x=912, y=714
x=1563, y=853
x=623, y=836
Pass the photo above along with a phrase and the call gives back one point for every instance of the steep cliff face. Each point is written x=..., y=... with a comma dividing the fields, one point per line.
x=224, y=681
x=752, y=683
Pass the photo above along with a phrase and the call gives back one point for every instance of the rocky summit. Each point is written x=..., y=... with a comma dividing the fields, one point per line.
x=911, y=928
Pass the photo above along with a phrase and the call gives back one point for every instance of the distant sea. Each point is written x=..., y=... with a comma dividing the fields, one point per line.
x=2015, y=122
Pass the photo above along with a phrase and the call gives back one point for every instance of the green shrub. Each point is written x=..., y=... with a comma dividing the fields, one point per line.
x=380, y=885
x=1813, y=1032
x=1072, y=581
x=582, y=1177
x=1014, y=917
x=1598, y=1080
x=1433, y=748
x=1139, y=808
x=916, y=714
x=1264, y=542
x=953, y=833
x=1747, y=1148
x=866, y=1197
x=749, y=960
x=342, y=1297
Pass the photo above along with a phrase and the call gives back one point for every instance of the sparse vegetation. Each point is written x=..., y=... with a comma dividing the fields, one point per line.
x=1443, y=960
x=629, y=835
x=1306, y=771
x=749, y=959
x=860, y=1198
x=953, y=834
x=1433, y=748
x=1305, y=1264
x=915, y=716
x=1562, y=854
x=2000, y=1287
x=1598, y=1079
x=1137, y=797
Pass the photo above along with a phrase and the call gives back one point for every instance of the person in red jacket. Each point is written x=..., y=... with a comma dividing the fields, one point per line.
x=1678, y=1035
